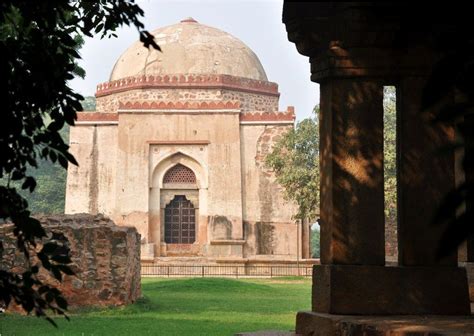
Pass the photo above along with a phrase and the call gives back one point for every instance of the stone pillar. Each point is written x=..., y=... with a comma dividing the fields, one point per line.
x=351, y=133
x=469, y=178
x=151, y=247
x=425, y=176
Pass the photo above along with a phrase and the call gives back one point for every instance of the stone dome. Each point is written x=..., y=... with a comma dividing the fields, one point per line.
x=190, y=48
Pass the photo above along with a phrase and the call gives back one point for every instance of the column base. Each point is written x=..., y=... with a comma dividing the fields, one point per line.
x=226, y=248
x=147, y=252
x=319, y=324
x=379, y=290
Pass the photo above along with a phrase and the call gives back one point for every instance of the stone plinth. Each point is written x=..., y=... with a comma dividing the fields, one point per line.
x=147, y=252
x=268, y=333
x=378, y=290
x=318, y=324
x=105, y=258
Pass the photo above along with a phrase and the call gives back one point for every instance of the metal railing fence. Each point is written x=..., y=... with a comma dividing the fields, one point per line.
x=237, y=271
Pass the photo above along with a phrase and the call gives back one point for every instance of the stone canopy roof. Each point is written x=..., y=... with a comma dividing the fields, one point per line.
x=190, y=48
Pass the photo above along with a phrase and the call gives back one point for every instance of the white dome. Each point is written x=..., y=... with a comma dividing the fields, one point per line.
x=190, y=48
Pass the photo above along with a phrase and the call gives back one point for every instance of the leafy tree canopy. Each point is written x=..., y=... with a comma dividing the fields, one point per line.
x=89, y=103
x=390, y=155
x=38, y=46
x=315, y=243
x=295, y=160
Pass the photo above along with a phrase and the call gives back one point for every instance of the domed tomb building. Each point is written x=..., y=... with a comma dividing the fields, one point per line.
x=177, y=146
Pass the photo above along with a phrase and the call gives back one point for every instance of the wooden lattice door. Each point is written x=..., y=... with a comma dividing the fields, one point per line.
x=180, y=221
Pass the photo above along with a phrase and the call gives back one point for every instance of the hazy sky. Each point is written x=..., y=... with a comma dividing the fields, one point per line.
x=256, y=23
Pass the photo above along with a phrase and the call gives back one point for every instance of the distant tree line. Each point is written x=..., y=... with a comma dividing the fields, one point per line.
x=50, y=191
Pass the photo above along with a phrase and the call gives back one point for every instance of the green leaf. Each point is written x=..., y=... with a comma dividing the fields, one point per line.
x=49, y=248
x=71, y=158
x=53, y=156
x=66, y=269
x=63, y=259
x=61, y=302
x=30, y=183
x=62, y=161
x=50, y=320
x=56, y=273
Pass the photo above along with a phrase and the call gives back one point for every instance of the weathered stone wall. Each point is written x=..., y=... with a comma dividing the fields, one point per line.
x=249, y=101
x=268, y=225
x=271, y=239
x=91, y=186
x=146, y=148
x=105, y=258
x=263, y=196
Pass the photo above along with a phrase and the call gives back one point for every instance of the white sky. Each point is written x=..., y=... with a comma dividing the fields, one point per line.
x=257, y=23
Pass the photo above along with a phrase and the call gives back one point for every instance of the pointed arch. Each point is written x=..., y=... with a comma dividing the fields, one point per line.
x=180, y=174
x=183, y=159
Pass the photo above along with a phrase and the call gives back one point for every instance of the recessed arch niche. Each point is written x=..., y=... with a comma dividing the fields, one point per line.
x=177, y=176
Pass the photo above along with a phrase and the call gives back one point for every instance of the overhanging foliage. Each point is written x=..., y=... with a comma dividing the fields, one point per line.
x=38, y=44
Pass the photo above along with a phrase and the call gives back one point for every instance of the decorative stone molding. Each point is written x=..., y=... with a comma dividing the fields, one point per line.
x=179, y=186
x=167, y=195
x=165, y=163
x=179, y=174
x=192, y=105
x=179, y=142
x=228, y=242
x=86, y=118
x=257, y=117
x=188, y=81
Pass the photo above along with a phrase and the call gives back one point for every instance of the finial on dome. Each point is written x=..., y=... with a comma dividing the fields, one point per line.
x=189, y=19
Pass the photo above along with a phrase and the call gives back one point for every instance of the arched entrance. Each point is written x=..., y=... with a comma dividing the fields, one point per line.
x=180, y=221
x=180, y=209
x=176, y=175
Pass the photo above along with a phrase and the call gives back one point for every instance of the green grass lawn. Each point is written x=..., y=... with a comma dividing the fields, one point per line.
x=196, y=306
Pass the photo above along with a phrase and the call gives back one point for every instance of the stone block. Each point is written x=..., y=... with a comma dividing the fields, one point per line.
x=226, y=248
x=316, y=324
x=319, y=324
x=147, y=252
x=378, y=290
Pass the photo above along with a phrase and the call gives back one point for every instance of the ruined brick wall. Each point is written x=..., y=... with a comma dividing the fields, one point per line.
x=105, y=258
